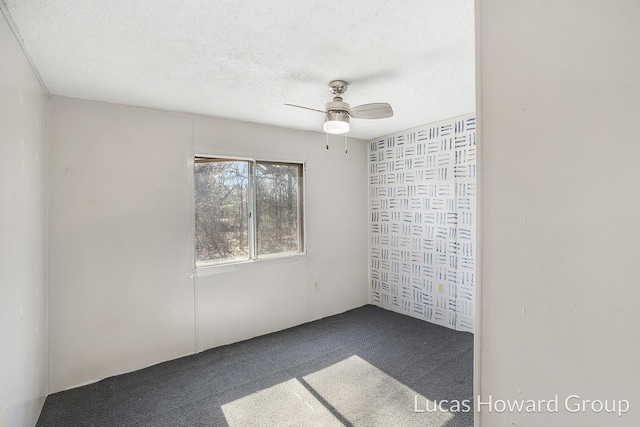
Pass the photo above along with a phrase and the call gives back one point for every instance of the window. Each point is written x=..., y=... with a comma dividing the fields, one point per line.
x=246, y=209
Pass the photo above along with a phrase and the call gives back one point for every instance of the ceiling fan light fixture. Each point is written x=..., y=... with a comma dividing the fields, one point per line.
x=337, y=122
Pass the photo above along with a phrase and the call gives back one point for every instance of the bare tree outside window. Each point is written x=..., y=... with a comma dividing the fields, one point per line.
x=222, y=226
x=226, y=192
x=278, y=206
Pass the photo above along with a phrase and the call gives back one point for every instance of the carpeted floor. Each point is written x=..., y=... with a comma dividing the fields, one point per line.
x=367, y=367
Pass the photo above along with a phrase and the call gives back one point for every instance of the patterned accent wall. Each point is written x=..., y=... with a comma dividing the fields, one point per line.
x=422, y=185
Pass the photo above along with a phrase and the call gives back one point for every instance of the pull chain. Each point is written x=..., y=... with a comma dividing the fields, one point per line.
x=346, y=142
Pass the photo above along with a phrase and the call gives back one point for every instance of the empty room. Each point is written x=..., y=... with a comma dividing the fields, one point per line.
x=280, y=213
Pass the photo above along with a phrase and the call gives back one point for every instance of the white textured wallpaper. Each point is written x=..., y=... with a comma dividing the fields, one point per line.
x=422, y=192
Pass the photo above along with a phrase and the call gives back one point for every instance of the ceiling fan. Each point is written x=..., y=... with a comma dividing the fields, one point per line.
x=338, y=112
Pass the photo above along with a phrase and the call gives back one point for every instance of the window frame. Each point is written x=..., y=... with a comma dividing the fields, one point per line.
x=252, y=226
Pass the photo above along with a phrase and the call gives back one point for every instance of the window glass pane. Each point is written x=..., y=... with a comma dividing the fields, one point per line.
x=222, y=210
x=278, y=207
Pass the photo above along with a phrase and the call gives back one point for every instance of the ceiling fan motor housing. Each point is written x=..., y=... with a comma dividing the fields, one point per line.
x=337, y=105
x=341, y=116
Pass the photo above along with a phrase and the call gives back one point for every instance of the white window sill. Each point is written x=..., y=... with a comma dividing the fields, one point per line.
x=267, y=260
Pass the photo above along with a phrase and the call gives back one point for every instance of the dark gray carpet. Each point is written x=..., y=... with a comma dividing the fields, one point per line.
x=359, y=368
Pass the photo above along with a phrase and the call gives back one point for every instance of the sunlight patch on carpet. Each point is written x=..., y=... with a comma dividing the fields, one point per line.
x=366, y=396
x=361, y=394
x=285, y=404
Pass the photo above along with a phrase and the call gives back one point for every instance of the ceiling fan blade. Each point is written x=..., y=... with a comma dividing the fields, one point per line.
x=377, y=110
x=307, y=108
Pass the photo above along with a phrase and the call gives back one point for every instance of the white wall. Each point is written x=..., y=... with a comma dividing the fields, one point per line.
x=23, y=268
x=558, y=113
x=123, y=291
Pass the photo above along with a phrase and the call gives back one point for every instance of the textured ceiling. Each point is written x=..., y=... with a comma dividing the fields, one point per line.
x=244, y=59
